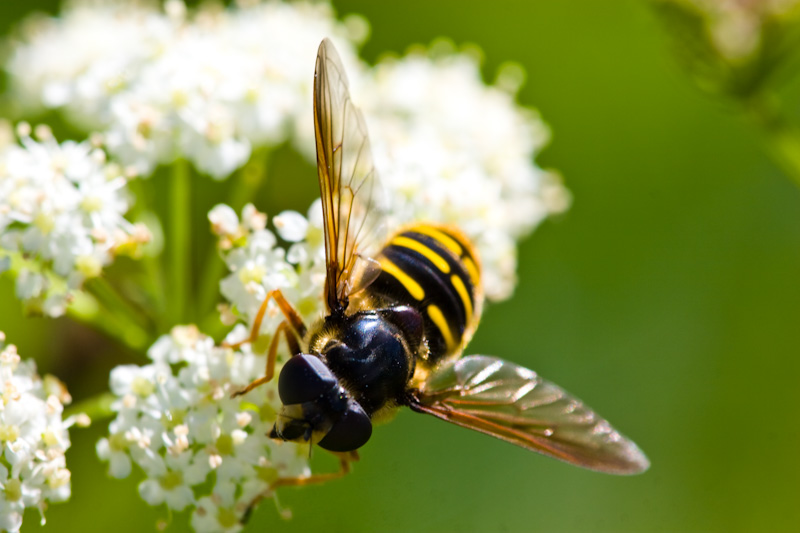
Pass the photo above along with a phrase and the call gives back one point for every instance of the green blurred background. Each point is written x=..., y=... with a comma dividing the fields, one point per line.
x=667, y=298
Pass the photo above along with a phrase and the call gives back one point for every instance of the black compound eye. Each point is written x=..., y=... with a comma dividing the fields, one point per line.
x=350, y=432
x=303, y=378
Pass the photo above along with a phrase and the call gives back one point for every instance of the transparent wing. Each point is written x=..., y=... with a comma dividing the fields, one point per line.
x=513, y=403
x=352, y=205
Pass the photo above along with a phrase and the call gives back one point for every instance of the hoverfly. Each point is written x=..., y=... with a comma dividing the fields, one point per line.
x=397, y=322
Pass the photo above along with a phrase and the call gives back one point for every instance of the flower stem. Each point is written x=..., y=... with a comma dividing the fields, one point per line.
x=245, y=184
x=97, y=407
x=114, y=302
x=781, y=136
x=179, y=241
x=87, y=310
x=153, y=274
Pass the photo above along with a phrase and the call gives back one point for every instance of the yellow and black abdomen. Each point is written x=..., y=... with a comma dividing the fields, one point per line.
x=435, y=270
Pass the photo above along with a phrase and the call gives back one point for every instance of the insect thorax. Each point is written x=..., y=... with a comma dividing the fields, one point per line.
x=371, y=352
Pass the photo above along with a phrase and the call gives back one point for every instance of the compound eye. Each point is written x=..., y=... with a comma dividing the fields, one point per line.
x=304, y=378
x=351, y=432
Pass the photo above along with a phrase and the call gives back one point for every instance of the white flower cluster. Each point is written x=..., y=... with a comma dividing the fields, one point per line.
x=163, y=85
x=176, y=419
x=213, y=85
x=62, y=210
x=34, y=439
x=198, y=447
x=257, y=264
x=80, y=60
x=451, y=149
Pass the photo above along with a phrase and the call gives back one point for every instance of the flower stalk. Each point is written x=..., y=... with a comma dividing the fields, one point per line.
x=781, y=135
x=743, y=52
x=114, y=302
x=87, y=310
x=178, y=256
x=152, y=273
x=246, y=183
x=97, y=408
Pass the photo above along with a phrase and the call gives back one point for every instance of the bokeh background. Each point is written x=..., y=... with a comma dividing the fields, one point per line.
x=667, y=297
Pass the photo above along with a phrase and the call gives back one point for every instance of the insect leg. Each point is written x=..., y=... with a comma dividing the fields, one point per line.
x=292, y=317
x=345, y=458
x=272, y=356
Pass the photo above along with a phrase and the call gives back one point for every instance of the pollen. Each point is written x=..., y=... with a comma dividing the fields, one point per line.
x=253, y=273
x=142, y=387
x=171, y=480
x=88, y=265
x=45, y=223
x=9, y=432
x=92, y=204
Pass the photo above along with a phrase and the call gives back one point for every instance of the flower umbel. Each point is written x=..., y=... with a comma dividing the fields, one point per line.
x=258, y=265
x=462, y=157
x=62, y=221
x=34, y=439
x=206, y=85
x=179, y=425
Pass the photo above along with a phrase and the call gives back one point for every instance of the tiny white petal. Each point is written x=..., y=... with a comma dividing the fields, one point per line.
x=291, y=226
x=223, y=220
x=151, y=492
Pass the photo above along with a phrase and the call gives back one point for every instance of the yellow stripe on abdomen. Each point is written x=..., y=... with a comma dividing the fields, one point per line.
x=438, y=319
x=462, y=292
x=413, y=288
x=446, y=240
x=437, y=260
x=462, y=250
x=434, y=269
x=474, y=275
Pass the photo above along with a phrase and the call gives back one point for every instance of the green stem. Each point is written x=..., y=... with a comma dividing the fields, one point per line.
x=179, y=241
x=212, y=326
x=781, y=136
x=209, y=289
x=154, y=275
x=114, y=302
x=245, y=184
x=97, y=407
x=87, y=310
x=152, y=268
x=249, y=179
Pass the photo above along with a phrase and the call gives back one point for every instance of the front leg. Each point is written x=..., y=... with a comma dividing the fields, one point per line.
x=272, y=356
x=292, y=317
x=292, y=328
